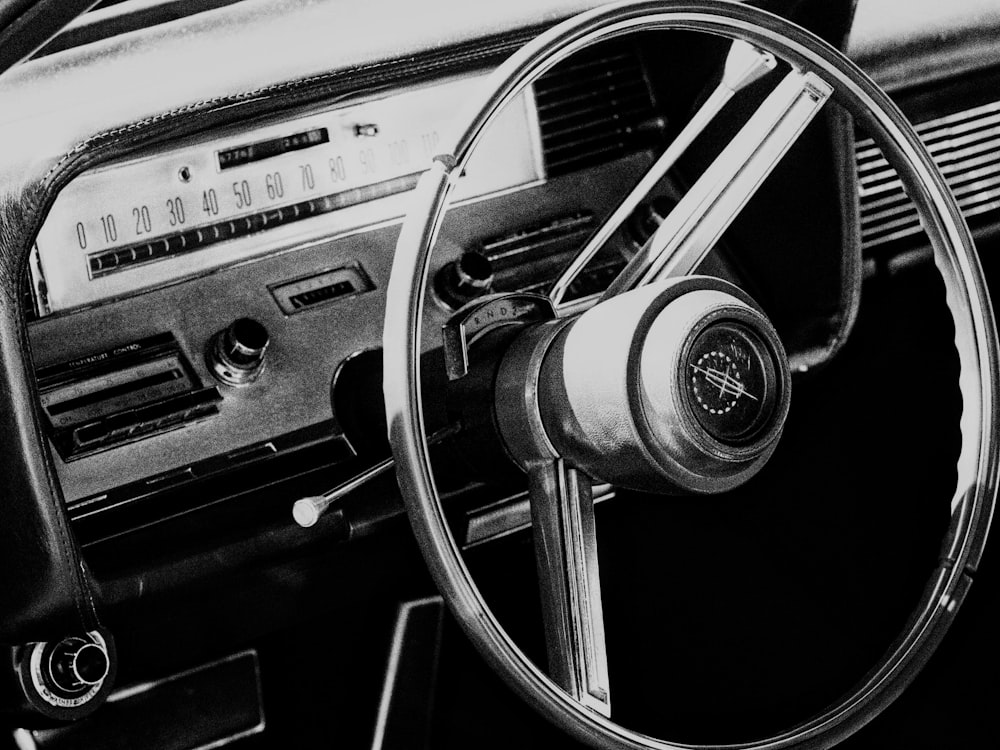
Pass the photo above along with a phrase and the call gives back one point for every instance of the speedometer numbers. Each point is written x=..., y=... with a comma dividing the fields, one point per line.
x=338, y=164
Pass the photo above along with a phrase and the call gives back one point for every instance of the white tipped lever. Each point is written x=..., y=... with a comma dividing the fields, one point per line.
x=308, y=510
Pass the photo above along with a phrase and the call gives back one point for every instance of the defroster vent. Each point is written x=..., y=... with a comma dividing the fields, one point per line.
x=594, y=108
x=966, y=147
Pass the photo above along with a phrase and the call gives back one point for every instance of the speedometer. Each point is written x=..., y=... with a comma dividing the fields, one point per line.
x=186, y=210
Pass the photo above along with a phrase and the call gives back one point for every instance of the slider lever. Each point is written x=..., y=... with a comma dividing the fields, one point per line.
x=307, y=511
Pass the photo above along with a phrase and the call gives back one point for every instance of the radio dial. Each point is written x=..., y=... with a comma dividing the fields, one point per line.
x=236, y=354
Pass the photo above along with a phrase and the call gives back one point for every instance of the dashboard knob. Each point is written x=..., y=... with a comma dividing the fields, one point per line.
x=76, y=664
x=236, y=354
x=464, y=279
x=66, y=679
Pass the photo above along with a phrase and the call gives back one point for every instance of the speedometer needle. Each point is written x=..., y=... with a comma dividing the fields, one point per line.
x=727, y=385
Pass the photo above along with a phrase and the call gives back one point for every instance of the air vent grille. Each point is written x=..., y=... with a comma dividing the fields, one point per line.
x=594, y=108
x=966, y=147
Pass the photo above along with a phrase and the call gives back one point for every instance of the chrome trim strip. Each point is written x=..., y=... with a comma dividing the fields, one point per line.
x=966, y=147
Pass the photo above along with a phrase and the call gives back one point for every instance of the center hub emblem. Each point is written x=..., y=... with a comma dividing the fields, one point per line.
x=731, y=382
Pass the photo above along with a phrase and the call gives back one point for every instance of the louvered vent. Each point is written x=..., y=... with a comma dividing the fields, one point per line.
x=593, y=108
x=966, y=147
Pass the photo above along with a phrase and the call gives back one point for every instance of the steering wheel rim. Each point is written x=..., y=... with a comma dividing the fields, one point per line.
x=966, y=296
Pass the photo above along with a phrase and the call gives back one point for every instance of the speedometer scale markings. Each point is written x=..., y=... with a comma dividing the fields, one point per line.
x=110, y=261
x=208, y=202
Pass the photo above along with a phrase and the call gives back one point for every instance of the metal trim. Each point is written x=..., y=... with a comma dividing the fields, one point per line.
x=967, y=298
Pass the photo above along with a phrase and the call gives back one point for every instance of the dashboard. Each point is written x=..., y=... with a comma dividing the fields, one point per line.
x=174, y=243
x=152, y=276
x=204, y=228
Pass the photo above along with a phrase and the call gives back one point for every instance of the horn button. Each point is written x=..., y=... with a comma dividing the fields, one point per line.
x=678, y=386
x=731, y=382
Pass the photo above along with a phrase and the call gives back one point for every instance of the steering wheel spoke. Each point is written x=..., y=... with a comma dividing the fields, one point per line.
x=693, y=227
x=682, y=385
x=744, y=65
x=562, y=515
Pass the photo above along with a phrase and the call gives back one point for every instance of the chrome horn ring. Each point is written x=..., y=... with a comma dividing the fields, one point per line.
x=967, y=300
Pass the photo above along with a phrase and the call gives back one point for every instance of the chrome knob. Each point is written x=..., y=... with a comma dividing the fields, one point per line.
x=76, y=664
x=236, y=354
x=464, y=279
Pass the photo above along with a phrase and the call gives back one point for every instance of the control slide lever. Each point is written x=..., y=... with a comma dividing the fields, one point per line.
x=307, y=510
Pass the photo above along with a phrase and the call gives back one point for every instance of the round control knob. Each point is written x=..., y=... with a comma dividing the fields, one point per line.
x=236, y=354
x=464, y=279
x=66, y=679
x=77, y=664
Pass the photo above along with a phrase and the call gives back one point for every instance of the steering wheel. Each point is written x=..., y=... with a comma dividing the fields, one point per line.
x=674, y=382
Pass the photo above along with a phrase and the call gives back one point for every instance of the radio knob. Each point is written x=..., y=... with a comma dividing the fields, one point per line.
x=77, y=664
x=236, y=354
